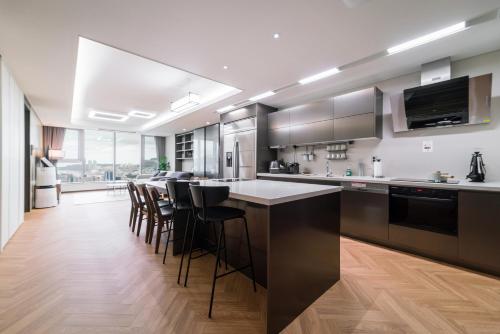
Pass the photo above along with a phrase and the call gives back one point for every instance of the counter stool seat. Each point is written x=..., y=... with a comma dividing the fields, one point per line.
x=218, y=213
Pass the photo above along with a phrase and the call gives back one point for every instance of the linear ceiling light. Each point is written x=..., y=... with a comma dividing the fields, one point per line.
x=185, y=103
x=224, y=109
x=319, y=76
x=428, y=38
x=262, y=96
x=107, y=116
x=141, y=114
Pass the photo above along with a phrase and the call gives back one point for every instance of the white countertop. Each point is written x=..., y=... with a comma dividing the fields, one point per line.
x=267, y=192
x=462, y=185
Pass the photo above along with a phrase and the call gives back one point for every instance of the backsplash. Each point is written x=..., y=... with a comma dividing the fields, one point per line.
x=402, y=153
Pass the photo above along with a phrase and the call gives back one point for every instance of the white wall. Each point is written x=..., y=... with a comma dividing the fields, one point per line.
x=36, y=141
x=402, y=154
x=12, y=153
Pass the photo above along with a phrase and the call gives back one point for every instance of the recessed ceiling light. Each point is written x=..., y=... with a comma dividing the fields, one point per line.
x=428, y=38
x=262, y=96
x=141, y=114
x=224, y=109
x=225, y=67
x=107, y=116
x=319, y=76
x=207, y=123
x=185, y=103
x=183, y=129
x=276, y=35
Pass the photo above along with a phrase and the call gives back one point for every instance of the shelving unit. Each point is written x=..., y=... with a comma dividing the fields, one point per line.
x=183, y=148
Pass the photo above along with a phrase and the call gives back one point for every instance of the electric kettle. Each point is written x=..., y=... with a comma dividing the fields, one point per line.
x=477, y=170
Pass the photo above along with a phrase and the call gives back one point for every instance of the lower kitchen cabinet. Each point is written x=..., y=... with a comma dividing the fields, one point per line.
x=479, y=230
x=365, y=215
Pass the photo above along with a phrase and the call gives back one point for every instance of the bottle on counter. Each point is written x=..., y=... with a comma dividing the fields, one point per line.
x=377, y=167
x=348, y=172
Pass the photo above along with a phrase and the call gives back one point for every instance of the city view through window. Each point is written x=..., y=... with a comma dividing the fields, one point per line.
x=103, y=156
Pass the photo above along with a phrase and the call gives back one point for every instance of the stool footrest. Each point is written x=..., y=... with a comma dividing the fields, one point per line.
x=233, y=271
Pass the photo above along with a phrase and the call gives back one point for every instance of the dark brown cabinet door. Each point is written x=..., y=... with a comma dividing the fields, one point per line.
x=317, y=132
x=365, y=215
x=479, y=229
x=279, y=137
x=354, y=127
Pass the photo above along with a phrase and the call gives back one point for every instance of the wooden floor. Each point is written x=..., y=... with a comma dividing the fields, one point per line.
x=78, y=269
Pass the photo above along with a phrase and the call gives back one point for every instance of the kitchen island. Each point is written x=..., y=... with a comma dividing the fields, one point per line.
x=294, y=231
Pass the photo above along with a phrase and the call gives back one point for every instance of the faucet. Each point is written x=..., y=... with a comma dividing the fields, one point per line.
x=328, y=171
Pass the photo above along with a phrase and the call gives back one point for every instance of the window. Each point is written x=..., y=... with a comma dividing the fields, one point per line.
x=99, y=154
x=128, y=155
x=70, y=169
x=150, y=162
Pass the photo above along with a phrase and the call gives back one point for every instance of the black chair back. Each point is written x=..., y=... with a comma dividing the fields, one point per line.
x=140, y=188
x=178, y=192
x=205, y=197
x=154, y=197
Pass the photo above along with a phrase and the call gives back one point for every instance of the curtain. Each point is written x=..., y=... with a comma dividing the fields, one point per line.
x=161, y=145
x=53, y=139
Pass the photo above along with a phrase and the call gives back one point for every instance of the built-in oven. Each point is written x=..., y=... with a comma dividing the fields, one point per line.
x=428, y=209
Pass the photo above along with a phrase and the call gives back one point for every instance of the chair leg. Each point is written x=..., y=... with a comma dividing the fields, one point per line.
x=215, y=238
x=139, y=222
x=134, y=219
x=152, y=230
x=158, y=234
x=225, y=248
x=190, y=253
x=148, y=228
x=171, y=223
x=250, y=254
x=131, y=215
x=221, y=233
x=183, y=250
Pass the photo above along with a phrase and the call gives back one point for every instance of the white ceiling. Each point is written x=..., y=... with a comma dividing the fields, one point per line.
x=39, y=39
x=114, y=81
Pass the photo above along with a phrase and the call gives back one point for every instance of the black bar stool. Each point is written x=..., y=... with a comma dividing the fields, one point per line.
x=206, y=202
x=178, y=194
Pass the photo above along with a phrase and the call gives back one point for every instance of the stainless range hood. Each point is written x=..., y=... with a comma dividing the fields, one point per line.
x=438, y=73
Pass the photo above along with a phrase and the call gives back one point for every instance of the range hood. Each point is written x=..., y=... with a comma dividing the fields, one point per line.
x=441, y=101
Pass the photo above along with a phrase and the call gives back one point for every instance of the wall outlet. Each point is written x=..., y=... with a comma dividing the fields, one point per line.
x=427, y=146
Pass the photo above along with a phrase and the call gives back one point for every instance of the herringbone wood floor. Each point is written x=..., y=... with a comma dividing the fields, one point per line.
x=78, y=269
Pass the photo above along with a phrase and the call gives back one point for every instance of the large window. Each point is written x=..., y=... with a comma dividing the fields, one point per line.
x=99, y=155
x=150, y=161
x=128, y=155
x=70, y=169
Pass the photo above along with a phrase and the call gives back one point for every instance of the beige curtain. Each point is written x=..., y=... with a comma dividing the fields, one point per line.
x=53, y=138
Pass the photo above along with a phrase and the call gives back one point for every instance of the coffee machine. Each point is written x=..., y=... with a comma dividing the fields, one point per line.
x=477, y=170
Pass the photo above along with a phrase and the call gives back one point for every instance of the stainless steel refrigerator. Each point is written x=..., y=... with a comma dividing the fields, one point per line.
x=240, y=149
x=206, y=151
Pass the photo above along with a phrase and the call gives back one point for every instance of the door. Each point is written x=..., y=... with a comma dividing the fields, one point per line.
x=199, y=152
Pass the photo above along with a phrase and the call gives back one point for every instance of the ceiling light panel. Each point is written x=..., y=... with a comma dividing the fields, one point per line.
x=108, y=116
x=262, y=96
x=428, y=38
x=141, y=114
x=319, y=76
x=185, y=103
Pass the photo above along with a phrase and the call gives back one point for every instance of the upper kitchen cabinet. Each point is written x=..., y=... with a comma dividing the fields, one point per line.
x=311, y=112
x=278, y=128
x=358, y=114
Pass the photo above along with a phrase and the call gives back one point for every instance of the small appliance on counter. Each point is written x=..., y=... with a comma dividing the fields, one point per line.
x=377, y=167
x=45, y=185
x=477, y=170
x=292, y=167
x=277, y=167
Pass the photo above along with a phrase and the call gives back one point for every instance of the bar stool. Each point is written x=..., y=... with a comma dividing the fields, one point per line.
x=178, y=194
x=207, y=209
x=142, y=193
x=163, y=214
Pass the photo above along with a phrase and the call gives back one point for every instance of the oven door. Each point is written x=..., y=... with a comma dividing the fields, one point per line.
x=426, y=212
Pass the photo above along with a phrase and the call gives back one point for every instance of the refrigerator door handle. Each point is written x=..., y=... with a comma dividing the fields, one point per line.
x=236, y=160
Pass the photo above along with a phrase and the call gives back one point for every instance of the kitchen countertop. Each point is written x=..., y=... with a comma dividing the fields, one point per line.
x=462, y=185
x=266, y=192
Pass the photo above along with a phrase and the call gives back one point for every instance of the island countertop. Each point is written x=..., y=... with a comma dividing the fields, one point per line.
x=267, y=192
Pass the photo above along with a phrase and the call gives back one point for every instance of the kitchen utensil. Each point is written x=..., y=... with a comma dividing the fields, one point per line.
x=477, y=168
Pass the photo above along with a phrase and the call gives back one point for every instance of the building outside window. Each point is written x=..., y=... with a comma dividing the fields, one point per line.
x=103, y=156
x=128, y=155
x=150, y=161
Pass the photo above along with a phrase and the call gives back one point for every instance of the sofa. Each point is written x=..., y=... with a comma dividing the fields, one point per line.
x=164, y=175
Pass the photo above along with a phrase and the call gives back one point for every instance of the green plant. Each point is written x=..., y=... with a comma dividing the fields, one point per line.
x=163, y=163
